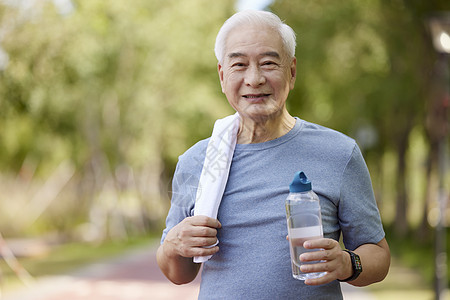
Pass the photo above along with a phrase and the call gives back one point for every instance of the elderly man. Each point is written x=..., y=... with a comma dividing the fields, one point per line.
x=257, y=70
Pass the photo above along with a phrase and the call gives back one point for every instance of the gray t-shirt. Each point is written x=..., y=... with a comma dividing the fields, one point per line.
x=253, y=261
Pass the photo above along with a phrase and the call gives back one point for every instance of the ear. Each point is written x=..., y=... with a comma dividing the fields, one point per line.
x=293, y=73
x=220, y=71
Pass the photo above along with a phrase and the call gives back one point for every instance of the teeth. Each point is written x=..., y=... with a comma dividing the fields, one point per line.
x=254, y=96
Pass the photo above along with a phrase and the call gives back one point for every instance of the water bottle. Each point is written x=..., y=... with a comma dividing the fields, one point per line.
x=304, y=222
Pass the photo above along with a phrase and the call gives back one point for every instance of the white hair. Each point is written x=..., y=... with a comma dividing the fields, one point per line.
x=255, y=17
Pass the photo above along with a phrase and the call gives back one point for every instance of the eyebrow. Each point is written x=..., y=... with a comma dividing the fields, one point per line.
x=272, y=54
x=268, y=53
x=235, y=54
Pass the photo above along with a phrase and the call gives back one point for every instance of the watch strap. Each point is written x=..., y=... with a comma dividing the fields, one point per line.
x=356, y=266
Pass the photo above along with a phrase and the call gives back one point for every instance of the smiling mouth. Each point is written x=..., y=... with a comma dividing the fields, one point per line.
x=255, y=96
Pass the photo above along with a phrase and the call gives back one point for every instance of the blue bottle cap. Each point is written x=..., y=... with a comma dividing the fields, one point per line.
x=300, y=183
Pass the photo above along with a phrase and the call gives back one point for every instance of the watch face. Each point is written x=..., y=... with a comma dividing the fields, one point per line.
x=358, y=265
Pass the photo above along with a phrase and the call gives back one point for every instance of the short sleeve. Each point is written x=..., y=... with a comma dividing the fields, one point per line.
x=184, y=190
x=359, y=217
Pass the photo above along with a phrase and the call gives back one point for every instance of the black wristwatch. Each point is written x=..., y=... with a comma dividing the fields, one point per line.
x=356, y=266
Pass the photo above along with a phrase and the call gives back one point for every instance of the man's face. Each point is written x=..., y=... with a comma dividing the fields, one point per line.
x=256, y=74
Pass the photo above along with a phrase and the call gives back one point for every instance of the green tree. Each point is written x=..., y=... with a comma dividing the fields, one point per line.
x=363, y=69
x=118, y=90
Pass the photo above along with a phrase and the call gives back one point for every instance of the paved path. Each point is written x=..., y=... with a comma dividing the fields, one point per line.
x=134, y=276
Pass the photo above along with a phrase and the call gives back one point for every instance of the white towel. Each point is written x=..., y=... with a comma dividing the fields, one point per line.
x=216, y=167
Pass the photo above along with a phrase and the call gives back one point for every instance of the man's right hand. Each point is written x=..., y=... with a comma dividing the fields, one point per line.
x=184, y=241
x=190, y=237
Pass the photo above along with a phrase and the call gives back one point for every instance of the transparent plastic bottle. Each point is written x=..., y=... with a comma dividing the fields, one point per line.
x=304, y=222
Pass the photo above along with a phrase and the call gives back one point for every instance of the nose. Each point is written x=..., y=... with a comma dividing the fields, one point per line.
x=254, y=77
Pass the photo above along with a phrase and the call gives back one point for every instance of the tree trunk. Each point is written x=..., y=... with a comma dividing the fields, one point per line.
x=401, y=219
x=429, y=195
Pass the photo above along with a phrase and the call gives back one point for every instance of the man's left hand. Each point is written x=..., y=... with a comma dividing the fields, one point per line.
x=335, y=262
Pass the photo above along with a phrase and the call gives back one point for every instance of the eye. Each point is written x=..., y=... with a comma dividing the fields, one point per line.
x=269, y=64
x=238, y=65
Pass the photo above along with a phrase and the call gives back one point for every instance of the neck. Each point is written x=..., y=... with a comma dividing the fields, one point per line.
x=259, y=131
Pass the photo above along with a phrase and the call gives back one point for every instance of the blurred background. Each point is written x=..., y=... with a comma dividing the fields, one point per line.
x=99, y=98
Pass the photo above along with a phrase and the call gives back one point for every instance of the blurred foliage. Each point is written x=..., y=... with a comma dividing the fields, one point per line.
x=103, y=78
x=368, y=69
x=114, y=90
x=98, y=101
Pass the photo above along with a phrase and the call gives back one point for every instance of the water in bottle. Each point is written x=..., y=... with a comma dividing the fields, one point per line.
x=304, y=222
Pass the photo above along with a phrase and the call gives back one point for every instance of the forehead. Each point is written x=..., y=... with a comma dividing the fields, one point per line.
x=249, y=40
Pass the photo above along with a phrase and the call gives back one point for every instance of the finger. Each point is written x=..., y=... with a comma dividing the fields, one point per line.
x=321, y=280
x=319, y=268
x=329, y=268
x=201, y=231
x=316, y=267
x=205, y=221
x=315, y=256
x=189, y=228
x=205, y=251
x=201, y=242
x=320, y=243
x=198, y=251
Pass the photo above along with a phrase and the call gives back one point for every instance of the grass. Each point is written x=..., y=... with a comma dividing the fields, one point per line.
x=67, y=257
